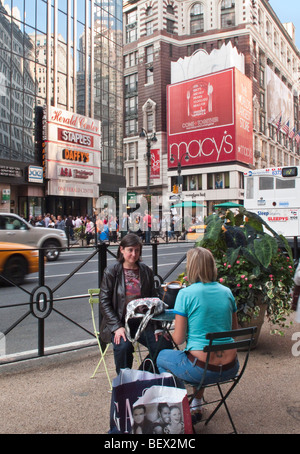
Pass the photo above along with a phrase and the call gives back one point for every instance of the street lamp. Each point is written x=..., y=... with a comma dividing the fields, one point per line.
x=186, y=158
x=149, y=139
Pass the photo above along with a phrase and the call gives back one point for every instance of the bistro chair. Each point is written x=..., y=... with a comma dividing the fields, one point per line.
x=94, y=299
x=243, y=340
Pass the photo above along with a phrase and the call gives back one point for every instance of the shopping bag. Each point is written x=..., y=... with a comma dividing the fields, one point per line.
x=127, y=387
x=162, y=410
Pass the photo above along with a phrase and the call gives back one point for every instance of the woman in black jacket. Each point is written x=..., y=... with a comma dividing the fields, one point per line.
x=122, y=282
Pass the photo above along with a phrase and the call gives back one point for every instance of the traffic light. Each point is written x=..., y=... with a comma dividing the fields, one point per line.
x=175, y=189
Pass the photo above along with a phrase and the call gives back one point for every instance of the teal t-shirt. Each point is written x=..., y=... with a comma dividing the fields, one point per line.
x=208, y=308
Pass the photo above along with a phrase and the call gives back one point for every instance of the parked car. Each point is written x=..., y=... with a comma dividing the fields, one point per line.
x=14, y=229
x=17, y=260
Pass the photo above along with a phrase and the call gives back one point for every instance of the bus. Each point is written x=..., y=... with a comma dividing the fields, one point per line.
x=274, y=194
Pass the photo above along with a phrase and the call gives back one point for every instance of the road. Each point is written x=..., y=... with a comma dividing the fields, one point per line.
x=70, y=299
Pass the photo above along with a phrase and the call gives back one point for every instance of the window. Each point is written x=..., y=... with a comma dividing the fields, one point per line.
x=149, y=11
x=227, y=13
x=149, y=28
x=170, y=9
x=266, y=183
x=131, y=83
x=131, y=150
x=130, y=174
x=131, y=26
x=170, y=26
x=149, y=76
x=196, y=18
x=149, y=54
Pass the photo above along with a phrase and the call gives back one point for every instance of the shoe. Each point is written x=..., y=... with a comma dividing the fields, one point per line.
x=196, y=416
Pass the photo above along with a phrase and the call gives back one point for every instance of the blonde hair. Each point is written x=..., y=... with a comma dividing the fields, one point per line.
x=201, y=266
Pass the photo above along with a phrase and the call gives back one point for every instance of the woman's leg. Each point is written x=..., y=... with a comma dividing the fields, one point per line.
x=123, y=354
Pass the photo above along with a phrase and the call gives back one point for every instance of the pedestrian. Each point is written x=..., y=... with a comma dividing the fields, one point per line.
x=122, y=282
x=70, y=227
x=147, y=220
x=60, y=223
x=204, y=306
x=89, y=230
x=40, y=221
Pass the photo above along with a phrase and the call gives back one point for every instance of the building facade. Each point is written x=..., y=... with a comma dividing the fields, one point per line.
x=63, y=60
x=158, y=34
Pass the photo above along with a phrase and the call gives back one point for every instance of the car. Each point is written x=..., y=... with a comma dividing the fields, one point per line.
x=14, y=229
x=195, y=232
x=17, y=260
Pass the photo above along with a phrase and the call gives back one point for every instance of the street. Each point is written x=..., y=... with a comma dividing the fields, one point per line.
x=70, y=300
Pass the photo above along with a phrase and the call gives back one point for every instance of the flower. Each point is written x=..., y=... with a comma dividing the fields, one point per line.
x=255, y=265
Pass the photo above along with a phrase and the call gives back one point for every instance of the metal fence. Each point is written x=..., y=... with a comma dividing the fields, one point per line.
x=42, y=302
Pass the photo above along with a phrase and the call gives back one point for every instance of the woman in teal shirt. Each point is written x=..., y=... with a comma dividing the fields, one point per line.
x=204, y=307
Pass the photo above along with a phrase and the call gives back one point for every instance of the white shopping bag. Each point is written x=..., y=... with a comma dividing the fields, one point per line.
x=162, y=410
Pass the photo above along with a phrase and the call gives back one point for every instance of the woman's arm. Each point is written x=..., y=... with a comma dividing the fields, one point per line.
x=234, y=321
x=180, y=331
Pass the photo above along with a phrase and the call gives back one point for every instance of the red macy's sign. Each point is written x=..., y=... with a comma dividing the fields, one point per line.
x=210, y=118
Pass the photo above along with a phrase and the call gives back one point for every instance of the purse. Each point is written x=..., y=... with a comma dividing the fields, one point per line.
x=169, y=291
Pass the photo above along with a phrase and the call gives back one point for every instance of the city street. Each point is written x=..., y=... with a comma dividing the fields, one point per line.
x=72, y=296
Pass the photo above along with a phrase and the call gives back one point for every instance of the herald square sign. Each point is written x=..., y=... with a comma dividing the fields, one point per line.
x=210, y=118
x=72, y=153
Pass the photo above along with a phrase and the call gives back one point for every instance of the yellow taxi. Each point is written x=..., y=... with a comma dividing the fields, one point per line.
x=17, y=260
x=195, y=232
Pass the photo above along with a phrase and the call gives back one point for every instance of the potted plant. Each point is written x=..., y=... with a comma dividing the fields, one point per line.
x=257, y=266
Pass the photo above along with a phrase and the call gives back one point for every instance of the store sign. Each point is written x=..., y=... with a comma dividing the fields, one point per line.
x=72, y=156
x=35, y=174
x=210, y=118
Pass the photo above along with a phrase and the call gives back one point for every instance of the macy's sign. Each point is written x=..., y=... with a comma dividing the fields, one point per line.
x=209, y=147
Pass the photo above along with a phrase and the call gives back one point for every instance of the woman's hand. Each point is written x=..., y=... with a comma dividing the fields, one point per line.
x=119, y=333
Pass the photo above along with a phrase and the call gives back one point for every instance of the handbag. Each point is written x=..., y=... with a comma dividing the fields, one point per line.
x=162, y=410
x=295, y=297
x=169, y=291
x=127, y=387
x=145, y=309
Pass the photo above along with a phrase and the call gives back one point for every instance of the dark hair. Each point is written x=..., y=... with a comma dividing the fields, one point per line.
x=131, y=239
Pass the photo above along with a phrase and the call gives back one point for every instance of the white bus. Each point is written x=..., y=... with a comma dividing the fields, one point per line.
x=274, y=194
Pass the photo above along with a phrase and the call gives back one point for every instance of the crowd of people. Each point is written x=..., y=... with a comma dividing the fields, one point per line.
x=112, y=228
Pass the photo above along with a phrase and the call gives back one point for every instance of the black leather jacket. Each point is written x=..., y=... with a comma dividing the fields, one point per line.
x=112, y=297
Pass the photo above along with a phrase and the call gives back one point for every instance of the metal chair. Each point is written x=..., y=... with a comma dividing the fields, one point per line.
x=94, y=299
x=243, y=340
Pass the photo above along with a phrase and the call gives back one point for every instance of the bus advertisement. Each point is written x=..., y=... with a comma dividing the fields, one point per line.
x=274, y=194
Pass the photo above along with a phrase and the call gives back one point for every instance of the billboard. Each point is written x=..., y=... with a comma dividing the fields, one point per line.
x=72, y=153
x=279, y=99
x=210, y=118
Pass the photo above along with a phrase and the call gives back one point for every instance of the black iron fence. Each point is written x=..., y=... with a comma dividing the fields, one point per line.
x=42, y=302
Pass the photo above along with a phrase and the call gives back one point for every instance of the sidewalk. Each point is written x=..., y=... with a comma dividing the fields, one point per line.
x=55, y=395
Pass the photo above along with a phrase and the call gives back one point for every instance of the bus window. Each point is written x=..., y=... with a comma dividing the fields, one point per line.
x=249, y=188
x=285, y=184
x=266, y=183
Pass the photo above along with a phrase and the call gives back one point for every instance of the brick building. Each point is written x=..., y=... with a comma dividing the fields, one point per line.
x=157, y=33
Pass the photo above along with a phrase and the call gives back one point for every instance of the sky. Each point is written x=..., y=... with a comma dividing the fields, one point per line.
x=288, y=11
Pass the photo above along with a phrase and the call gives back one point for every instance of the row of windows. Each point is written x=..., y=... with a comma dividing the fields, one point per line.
x=196, y=19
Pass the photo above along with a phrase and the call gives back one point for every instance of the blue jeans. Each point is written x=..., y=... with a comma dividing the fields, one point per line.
x=123, y=352
x=178, y=364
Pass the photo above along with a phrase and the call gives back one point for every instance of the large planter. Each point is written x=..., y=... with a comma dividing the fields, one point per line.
x=256, y=321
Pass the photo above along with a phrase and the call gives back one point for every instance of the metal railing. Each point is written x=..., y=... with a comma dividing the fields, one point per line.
x=42, y=301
